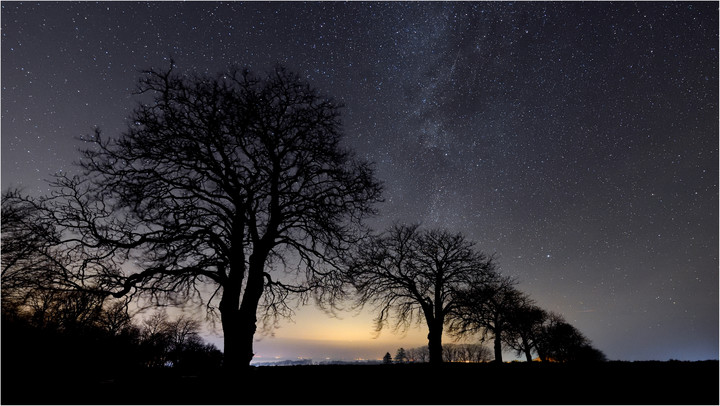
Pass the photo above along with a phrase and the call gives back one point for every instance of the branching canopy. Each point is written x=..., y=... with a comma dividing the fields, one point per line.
x=412, y=275
x=212, y=174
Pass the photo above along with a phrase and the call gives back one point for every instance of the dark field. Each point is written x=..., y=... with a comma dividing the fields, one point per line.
x=515, y=383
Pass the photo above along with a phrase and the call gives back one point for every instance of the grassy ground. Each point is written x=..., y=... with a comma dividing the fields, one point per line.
x=515, y=383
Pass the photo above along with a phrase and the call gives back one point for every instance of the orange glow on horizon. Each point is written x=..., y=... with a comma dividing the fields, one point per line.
x=349, y=327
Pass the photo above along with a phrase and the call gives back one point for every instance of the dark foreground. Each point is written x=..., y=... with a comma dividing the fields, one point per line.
x=515, y=383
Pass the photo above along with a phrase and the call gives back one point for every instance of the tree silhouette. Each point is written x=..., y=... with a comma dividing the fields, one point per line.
x=476, y=353
x=418, y=354
x=115, y=319
x=559, y=341
x=466, y=353
x=415, y=275
x=234, y=182
x=171, y=342
x=486, y=308
x=387, y=359
x=524, y=329
x=33, y=264
x=401, y=357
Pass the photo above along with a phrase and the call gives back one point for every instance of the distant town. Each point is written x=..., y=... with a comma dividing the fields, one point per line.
x=309, y=361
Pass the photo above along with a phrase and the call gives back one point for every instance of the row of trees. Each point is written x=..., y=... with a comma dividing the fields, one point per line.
x=451, y=353
x=79, y=329
x=437, y=278
x=234, y=191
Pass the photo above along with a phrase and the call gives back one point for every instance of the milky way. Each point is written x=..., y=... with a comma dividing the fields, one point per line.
x=576, y=141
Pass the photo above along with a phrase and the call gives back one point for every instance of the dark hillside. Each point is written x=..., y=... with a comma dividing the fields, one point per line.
x=514, y=383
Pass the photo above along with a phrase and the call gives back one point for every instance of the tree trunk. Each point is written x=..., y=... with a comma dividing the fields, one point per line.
x=247, y=320
x=229, y=317
x=528, y=353
x=542, y=356
x=247, y=323
x=435, y=343
x=239, y=326
x=231, y=352
x=230, y=302
x=239, y=315
x=498, y=348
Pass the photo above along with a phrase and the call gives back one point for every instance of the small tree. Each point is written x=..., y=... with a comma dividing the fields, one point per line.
x=387, y=359
x=478, y=353
x=418, y=354
x=466, y=353
x=184, y=335
x=172, y=342
x=115, y=318
x=452, y=353
x=400, y=356
x=155, y=336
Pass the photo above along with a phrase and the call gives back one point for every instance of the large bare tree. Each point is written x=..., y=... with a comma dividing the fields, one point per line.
x=235, y=182
x=412, y=275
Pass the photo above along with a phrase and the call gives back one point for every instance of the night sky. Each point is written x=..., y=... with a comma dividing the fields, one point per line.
x=576, y=141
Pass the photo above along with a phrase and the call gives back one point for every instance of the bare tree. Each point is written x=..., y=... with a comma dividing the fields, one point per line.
x=400, y=356
x=31, y=262
x=184, y=334
x=485, y=309
x=544, y=342
x=559, y=341
x=452, y=353
x=418, y=354
x=524, y=329
x=170, y=342
x=477, y=353
x=64, y=310
x=415, y=275
x=115, y=318
x=155, y=338
x=233, y=182
x=466, y=353
x=183, y=330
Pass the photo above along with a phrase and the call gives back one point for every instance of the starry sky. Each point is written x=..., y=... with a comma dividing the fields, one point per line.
x=576, y=141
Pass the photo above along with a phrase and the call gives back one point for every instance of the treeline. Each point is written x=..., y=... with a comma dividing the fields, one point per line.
x=514, y=322
x=450, y=353
x=235, y=191
x=549, y=337
x=65, y=331
x=413, y=275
